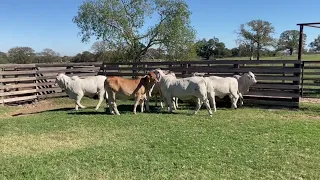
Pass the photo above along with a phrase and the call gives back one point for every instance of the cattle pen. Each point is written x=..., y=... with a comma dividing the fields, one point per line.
x=278, y=81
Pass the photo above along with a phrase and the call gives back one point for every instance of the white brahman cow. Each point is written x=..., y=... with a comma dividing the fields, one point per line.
x=184, y=88
x=157, y=92
x=77, y=87
x=244, y=83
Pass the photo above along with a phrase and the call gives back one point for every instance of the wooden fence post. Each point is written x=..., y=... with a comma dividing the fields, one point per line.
x=297, y=65
x=183, y=68
x=134, y=71
x=283, y=74
x=69, y=67
x=236, y=66
x=302, y=69
x=1, y=90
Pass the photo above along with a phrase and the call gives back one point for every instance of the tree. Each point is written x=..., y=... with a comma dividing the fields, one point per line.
x=315, y=44
x=3, y=58
x=99, y=47
x=85, y=56
x=257, y=34
x=235, y=52
x=212, y=48
x=219, y=51
x=205, y=49
x=49, y=56
x=120, y=23
x=289, y=40
x=21, y=55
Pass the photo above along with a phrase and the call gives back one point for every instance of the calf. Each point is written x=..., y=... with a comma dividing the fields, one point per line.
x=244, y=83
x=157, y=92
x=76, y=87
x=184, y=88
x=123, y=88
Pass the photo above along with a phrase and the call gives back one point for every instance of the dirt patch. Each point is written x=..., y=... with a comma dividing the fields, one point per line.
x=310, y=100
x=40, y=106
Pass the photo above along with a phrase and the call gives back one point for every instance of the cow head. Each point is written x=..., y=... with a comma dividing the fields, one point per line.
x=159, y=73
x=149, y=81
x=251, y=78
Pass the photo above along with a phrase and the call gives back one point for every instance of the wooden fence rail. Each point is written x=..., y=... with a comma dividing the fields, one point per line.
x=278, y=81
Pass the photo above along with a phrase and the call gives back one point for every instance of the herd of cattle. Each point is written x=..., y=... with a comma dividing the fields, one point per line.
x=160, y=83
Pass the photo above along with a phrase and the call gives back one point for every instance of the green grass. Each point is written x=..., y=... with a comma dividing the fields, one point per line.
x=247, y=143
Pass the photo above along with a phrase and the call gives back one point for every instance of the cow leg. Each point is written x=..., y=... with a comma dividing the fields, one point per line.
x=78, y=99
x=206, y=103
x=176, y=101
x=212, y=99
x=113, y=105
x=169, y=103
x=241, y=99
x=106, y=97
x=198, y=106
x=135, y=106
x=234, y=99
x=110, y=104
x=174, y=104
x=142, y=105
x=156, y=99
x=147, y=104
x=101, y=97
x=116, y=108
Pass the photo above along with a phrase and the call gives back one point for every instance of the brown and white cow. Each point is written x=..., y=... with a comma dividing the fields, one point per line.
x=123, y=88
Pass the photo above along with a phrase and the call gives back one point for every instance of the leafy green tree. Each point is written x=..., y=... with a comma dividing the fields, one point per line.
x=21, y=55
x=220, y=50
x=49, y=56
x=289, y=40
x=66, y=59
x=235, y=52
x=85, y=56
x=315, y=44
x=257, y=34
x=120, y=23
x=205, y=49
x=3, y=58
x=212, y=48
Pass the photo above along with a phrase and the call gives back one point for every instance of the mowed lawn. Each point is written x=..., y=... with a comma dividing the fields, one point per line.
x=247, y=143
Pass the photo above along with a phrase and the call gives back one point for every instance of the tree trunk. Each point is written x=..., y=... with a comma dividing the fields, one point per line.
x=291, y=51
x=251, y=50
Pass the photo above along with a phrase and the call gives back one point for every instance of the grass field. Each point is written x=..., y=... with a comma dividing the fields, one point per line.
x=247, y=143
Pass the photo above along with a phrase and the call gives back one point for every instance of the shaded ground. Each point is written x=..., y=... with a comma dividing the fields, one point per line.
x=54, y=104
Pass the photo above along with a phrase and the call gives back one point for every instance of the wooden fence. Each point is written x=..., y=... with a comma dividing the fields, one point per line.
x=310, y=79
x=278, y=81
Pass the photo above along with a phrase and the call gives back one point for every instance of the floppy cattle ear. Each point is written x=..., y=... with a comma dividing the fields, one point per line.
x=157, y=75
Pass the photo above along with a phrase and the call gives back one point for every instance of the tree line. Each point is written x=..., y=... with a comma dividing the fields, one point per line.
x=119, y=26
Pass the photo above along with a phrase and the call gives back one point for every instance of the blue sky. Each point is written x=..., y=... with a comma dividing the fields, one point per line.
x=48, y=23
